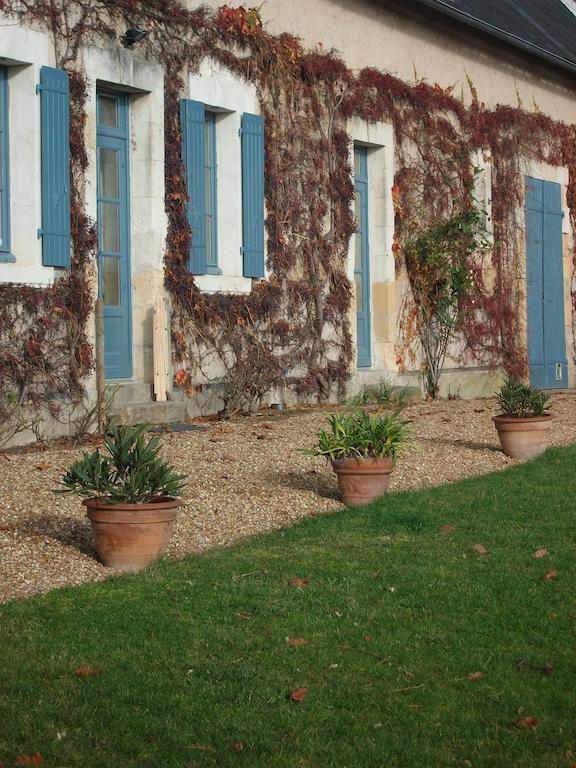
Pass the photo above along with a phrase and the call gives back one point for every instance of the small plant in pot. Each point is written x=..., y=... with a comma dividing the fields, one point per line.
x=524, y=424
x=131, y=497
x=362, y=448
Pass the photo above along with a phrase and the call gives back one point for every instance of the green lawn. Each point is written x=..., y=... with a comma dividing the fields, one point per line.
x=196, y=670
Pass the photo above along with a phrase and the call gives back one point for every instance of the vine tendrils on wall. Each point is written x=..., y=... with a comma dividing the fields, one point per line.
x=294, y=326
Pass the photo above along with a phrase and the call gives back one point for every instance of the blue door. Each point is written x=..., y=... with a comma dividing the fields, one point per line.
x=545, y=285
x=114, y=282
x=362, y=258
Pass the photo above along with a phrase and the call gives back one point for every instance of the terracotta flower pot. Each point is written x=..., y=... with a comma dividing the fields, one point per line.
x=523, y=438
x=360, y=481
x=131, y=536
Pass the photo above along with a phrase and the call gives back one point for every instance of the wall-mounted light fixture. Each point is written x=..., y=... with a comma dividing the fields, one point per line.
x=133, y=35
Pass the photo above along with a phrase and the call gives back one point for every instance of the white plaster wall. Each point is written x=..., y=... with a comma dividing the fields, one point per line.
x=403, y=37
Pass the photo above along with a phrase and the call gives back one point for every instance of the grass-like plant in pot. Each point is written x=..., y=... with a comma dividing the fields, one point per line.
x=362, y=448
x=131, y=497
x=524, y=423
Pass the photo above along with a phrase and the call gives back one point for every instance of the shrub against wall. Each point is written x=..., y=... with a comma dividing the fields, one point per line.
x=297, y=321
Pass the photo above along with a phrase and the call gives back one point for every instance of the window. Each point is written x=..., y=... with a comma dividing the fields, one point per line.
x=210, y=192
x=202, y=131
x=5, y=254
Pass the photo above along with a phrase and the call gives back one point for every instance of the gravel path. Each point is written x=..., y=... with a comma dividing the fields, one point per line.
x=245, y=476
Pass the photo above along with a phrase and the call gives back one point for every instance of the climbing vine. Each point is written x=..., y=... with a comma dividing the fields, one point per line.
x=292, y=329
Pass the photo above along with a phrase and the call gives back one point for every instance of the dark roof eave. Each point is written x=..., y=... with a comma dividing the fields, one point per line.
x=490, y=29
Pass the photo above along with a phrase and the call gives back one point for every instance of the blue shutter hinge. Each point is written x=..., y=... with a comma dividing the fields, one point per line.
x=38, y=88
x=40, y=233
x=240, y=131
x=242, y=250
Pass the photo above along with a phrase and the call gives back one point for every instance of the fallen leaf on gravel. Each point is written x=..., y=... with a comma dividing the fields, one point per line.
x=87, y=671
x=42, y=466
x=527, y=722
x=229, y=457
x=299, y=583
x=299, y=694
x=550, y=575
x=540, y=553
x=476, y=676
x=237, y=746
x=35, y=759
x=266, y=426
x=446, y=529
x=479, y=410
x=215, y=439
x=296, y=642
x=480, y=549
x=548, y=669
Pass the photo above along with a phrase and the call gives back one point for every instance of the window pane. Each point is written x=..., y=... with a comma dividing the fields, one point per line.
x=357, y=163
x=110, y=227
x=209, y=247
x=108, y=173
x=108, y=111
x=111, y=280
x=208, y=190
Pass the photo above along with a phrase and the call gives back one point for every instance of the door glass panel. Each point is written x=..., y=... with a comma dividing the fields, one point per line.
x=108, y=111
x=357, y=163
x=359, y=293
x=110, y=227
x=109, y=173
x=111, y=280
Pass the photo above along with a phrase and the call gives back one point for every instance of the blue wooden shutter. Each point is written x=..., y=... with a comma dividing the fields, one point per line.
x=535, y=288
x=193, y=151
x=252, y=134
x=545, y=285
x=553, y=279
x=55, y=167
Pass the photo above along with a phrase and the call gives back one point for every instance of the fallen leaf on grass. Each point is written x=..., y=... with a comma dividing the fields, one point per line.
x=237, y=746
x=548, y=669
x=446, y=529
x=203, y=747
x=299, y=694
x=550, y=575
x=527, y=722
x=296, y=642
x=540, y=553
x=480, y=549
x=476, y=676
x=87, y=671
x=298, y=582
x=35, y=759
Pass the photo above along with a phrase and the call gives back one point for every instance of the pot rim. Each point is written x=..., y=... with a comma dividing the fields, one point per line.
x=501, y=418
x=361, y=461
x=163, y=502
